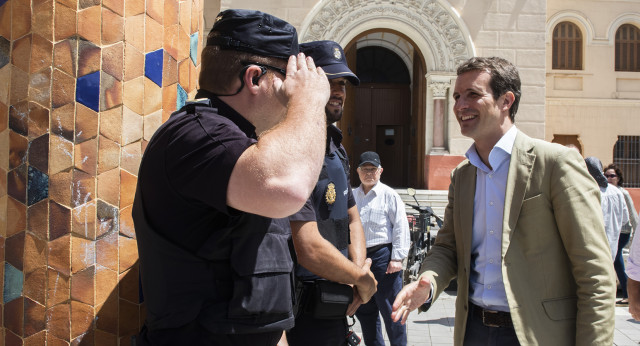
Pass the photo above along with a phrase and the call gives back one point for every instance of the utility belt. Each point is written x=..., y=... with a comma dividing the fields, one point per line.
x=325, y=300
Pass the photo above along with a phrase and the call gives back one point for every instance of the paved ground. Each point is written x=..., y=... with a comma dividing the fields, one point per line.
x=435, y=327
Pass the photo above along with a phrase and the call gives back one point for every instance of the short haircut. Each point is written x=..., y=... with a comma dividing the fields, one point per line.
x=504, y=77
x=617, y=170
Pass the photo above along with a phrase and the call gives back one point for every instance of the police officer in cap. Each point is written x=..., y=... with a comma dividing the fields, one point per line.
x=215, y=188
x=327, y=233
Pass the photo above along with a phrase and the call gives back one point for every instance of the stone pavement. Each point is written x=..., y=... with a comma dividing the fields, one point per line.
x=435, y=327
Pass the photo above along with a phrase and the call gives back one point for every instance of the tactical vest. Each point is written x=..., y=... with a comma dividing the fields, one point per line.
x=239, y=280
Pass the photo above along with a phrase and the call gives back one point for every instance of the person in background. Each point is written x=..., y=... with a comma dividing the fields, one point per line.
x=614, y=177
x=386, y=231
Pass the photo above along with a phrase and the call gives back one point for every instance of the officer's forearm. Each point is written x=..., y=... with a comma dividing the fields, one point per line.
x=358, y=246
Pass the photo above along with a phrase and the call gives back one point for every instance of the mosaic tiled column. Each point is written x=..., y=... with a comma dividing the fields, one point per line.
x=83, y=86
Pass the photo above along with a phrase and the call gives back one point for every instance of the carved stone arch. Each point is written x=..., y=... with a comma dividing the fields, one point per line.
x=438, y=32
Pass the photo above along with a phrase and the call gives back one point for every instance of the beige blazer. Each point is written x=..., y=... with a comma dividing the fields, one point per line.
x=557, y=269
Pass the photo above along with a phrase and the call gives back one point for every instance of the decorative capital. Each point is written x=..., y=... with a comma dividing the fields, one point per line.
x=439, y=90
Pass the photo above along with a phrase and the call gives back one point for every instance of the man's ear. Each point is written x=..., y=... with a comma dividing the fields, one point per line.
x=509, y=99
x=252, y=76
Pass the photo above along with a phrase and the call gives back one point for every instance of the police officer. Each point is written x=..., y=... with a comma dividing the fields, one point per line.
x=327, y=233
x=214, y=186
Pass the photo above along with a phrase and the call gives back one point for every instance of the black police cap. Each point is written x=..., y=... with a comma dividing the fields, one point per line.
x=254, y=32
x=330, y=56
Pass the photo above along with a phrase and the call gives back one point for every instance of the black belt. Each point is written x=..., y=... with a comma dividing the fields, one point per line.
x=491, y=318
x=376, y=248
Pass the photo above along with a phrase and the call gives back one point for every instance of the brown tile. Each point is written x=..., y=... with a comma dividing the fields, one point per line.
x=37, y=339
x=41, y=53
x=126, y=223
x=116, y=6
x=152, y=35
x=169, y=100
x=133, y=62
x=108, y=155
x=128, y=250
x=53, y=341
x=129, y=317
x=63, y=89
x=59, y=220
x=107, y=216
x=133, y=26
x=21, y=53
x=106, y=284
x=11, y=339
x=34, y=314
x=155, y=10
x=3, y=184
x=111, y=124
x=72, y=4
x=16, y=217
x=185, y=15
x=86, y=156
x=196, y=14
x=65, y=22
x=39, y=153
x=107, y=251
x=38, y=120
x=131, y=157
x=107, y=315
x=62, y=122
x=5, y=75
x=35, y=285
x=171, y=11
x=20, y=18
x=104, y=338
x=89, y=24
x=152, y=97
x=85, y=339
x=19, y=86
x=151, y=124
x=84, y=4
x=86, y=124
x=60, y=154
x=18, y=119
x=110, y=92
x=83, y=254
x=17, y=183
x=184, y=74
x=65, y=56
x=38, y=219
x=58, y=288
x=14, y=315
x=83, y=285
x=184, y=44
x=171, y=40
x=83, y=220
x=112, y=27
x=133, y=7
x=35, y=253
x=127, y=188
x=113, y=60
x=58, y=320
x=40, y=86
x=83, y=189
x=60, y=187
x=4, y=116
x=193, y=78
x=169, y=70
x=42, y=19
x=5, y=20
x=129, y=288
x=88, y=58
x=133, y=96
x=14, y=250
x=108, y=186
x=131, y=126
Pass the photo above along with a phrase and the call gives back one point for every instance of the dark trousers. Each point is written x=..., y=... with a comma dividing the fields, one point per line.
x=477, y=334
x=309, y=331
x=618, y=263
x=369, y=314
x=195, y=334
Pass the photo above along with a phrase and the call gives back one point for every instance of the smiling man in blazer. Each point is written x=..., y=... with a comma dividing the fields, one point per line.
x=523, y=230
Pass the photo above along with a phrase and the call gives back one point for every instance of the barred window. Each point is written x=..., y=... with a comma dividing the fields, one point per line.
x=628, y=48
x=626, y=155
x=567, y=47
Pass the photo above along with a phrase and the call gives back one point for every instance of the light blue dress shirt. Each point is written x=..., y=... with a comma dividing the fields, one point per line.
x=486, y=284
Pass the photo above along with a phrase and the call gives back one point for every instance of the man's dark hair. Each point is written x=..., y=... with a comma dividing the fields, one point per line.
x=504, y=77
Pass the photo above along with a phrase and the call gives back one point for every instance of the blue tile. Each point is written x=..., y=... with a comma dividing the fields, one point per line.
x=13, y=282
x=2, y=2
x=88, y=90
x=194, y=48
x=181, y=97
x=153, y=66
x=37, y=187
x=5, y=49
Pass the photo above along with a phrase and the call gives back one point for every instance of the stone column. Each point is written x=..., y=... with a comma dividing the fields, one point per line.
x=83, y=86
x=439, y=89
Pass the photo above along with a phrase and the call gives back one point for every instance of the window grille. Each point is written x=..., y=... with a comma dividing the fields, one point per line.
x=626, y=155
x=567, y=47
x=628, y=48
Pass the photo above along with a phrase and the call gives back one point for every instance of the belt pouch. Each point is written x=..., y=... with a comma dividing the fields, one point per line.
x=331, y=300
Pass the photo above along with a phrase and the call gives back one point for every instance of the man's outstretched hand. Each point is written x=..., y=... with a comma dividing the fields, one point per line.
x=410, y=298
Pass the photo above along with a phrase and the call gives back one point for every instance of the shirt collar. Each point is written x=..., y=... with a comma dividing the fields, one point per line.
x=500, y=151
x=226, y=111
x=334, y=138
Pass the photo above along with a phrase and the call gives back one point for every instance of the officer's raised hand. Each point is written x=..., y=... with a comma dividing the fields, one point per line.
x=304, y=83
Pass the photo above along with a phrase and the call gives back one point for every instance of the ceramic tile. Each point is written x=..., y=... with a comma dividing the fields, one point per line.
x=11, y=339
x=111, y=124
x=60, y=154
x=35, y=256
x=88, y=58
x=19, y=118
x=129, y=318
x=58, y=320
x=37, y=186
x=185, y=16
x=3, y=185
x=152, y=97
x=196, y=15
x=184, y=74
x=151, y=124
x=72, y=4
x=58, y=287
x=171, y=40
x=54, y=341
x=5, y=76
x=5, y=51
x=65, y=55
x=129, y=287
x=126, y=223
x=19, y=86
x=131, y=126
x=110, y=92
x=116, y=6
x=170, y=70
x=38, y=121
x=17, y=183
x=37, y=339
x=35, y=285
x=83, y=220
x=85, y=338
x=83, y=254
x=127, y=188
x=13, y=283
x=184, y=44
x=82, y=317
x=83, y=189
x=182, y=97
x=108, y=183
x=40, y=87
x=107, y=216
x=65, y=22
x=89, y=24
x=38, y=219
x=107, y=251
x=86, y=156
x=128, y=253
x=107, y=315
x=193, y=80
x=133, y=62
x=20, y=18
x=59, y=220
x=84, y=4
x=39, y=153
x=152, y=35
x=16, y=217
x=153, y=66
x=60, y=187
x=21, y=53
x=42, y=19
x=41, y=53
x=86, y=124
x=104, y=338
x=33, y=317
x=4, y=117
x=133, y=26
x=169, y=98
x=5, y=20
x=18, y=148
x=133, y=7
x=193, y=48
x=133, y=96
x=106, y=284
x=88, y=90
x=83, y=285
x=14, y=316
x=62, y=122
x=14, y=251
x=130, y=157
x=108, y=155
x=112, y=60
x=171, y=12
x=63, y=88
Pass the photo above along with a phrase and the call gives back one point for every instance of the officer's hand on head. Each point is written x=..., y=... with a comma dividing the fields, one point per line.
x=303, y=79
x=366, y=284
x=410, y=298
